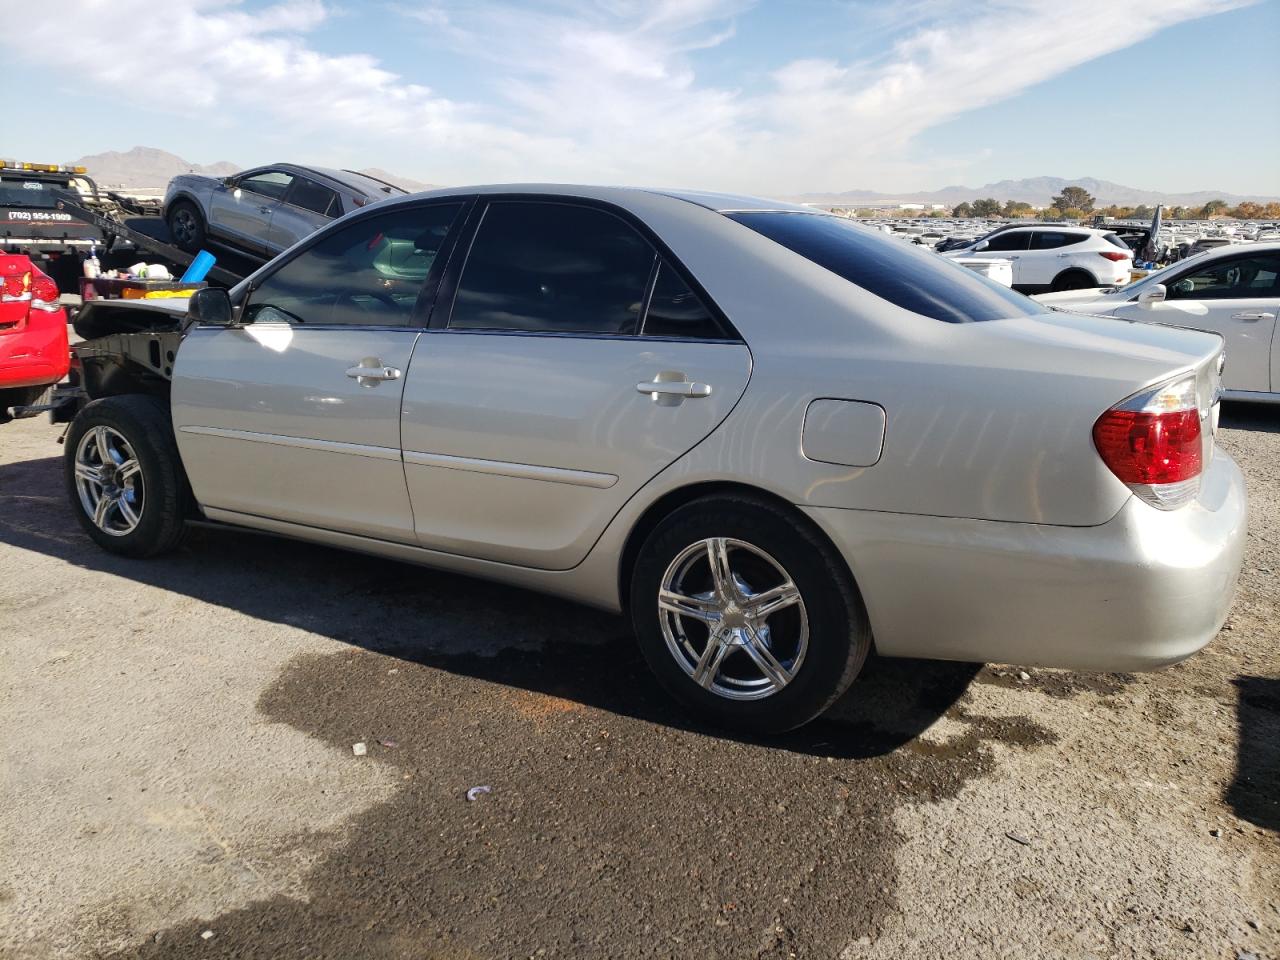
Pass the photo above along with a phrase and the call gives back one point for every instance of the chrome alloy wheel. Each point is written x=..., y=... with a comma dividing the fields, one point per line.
x=733, y=619
x=109, y=481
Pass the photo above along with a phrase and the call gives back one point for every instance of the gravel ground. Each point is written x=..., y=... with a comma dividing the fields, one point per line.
x=179, y=781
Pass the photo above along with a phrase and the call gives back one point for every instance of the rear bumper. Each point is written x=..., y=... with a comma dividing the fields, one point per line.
x=36, y=356
x=1146, y=589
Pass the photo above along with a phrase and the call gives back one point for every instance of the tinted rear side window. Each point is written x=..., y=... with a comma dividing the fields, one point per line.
x=553, y=268
x=907, y=276
x=312, y=196
x=1051, y=240
x=676, y=311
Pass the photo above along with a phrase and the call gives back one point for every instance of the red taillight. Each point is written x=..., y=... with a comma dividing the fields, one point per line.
x=44, y=294
x=1153, y=442
x=17, y=287
x=1115, y=256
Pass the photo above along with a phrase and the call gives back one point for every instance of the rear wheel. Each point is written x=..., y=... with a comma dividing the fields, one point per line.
x=186, y=226
x=747, y=616
x=124, y=477
x=1073, y=280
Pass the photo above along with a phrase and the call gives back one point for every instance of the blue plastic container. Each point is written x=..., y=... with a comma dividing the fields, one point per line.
x=200, y=267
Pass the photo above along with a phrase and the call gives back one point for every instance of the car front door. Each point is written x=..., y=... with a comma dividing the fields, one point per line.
x=1237, y=297
x=528, y=419
x=293, y=414
x=306, y=208
x=241, y=210
x=1008, y=245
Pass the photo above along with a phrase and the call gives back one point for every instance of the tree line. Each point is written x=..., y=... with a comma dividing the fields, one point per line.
x=1076, y=203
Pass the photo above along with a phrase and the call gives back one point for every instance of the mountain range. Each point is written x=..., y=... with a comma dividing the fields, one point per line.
x=1037, y=191
x=150, y=169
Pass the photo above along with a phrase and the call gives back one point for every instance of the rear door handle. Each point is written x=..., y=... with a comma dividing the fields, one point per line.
x=670, y=388
x=371, y=371
x=1064, y=254
x=1253, y=317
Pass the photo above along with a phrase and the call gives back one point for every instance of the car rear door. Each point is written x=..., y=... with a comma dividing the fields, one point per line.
x=528, y=419
x=1051, y=252
x=294, y=413
x=241, y=211
x=307, y=207
x=1237, y=297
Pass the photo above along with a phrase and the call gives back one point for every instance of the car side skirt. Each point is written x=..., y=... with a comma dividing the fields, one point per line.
x=580, y=584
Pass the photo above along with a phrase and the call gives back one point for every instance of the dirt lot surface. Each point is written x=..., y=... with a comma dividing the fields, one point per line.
x=178, y=776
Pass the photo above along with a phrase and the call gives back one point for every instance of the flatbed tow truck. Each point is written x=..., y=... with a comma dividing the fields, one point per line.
x=58, y=217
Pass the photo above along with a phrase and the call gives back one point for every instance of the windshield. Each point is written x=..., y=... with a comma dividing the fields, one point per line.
x=904, y=274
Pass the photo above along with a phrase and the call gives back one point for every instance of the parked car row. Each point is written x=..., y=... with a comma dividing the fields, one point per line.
x=774, y=438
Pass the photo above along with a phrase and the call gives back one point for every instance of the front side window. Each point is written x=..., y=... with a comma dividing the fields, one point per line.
x=553, y=268
x=310, y=195
x=369, y=273
x=1238, y=278
x=1009, y=240
x=273, y=184
x=901, y=273
x=1051, y=239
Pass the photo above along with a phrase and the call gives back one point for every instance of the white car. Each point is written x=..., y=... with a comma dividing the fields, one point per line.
x=1233, y=291
x=1056, y=258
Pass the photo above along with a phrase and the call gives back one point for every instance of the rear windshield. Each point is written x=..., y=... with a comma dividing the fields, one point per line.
x=1115, y=241
x=907, y=276
x=29, y=193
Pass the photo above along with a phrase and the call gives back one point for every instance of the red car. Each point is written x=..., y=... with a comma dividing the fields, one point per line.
x=34, y=353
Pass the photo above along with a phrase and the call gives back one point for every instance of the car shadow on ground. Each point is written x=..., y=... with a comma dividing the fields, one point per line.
x=1254, y=794
x=458, y=624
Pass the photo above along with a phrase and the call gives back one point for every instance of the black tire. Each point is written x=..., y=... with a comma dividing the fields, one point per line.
x=143, y=422
x=186, y=226
x=839, y=636
x=1073, y=280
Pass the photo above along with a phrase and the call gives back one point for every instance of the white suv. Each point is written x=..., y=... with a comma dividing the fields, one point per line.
x=1056, y=258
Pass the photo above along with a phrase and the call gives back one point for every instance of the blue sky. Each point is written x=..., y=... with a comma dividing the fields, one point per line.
x=767, y=97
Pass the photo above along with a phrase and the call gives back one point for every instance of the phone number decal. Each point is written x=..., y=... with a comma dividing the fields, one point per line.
x=40, y=215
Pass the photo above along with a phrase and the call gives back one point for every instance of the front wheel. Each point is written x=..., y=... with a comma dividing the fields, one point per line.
x=746, y=615
x=124, y=477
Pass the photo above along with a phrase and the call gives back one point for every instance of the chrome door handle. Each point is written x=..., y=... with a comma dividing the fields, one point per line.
x=670, y=388
x=371, y=371
x=264, y=209
x=1253, y=317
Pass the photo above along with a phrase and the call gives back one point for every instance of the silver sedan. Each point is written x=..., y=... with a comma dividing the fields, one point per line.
x=773, y=438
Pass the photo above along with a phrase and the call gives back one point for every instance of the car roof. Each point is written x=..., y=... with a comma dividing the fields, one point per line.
x=356, y=182
x=715, y=202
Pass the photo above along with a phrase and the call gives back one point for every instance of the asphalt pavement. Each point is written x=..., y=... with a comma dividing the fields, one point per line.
x=181, y=777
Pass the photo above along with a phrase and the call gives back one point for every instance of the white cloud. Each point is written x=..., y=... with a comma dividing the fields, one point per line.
x=597, y=90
